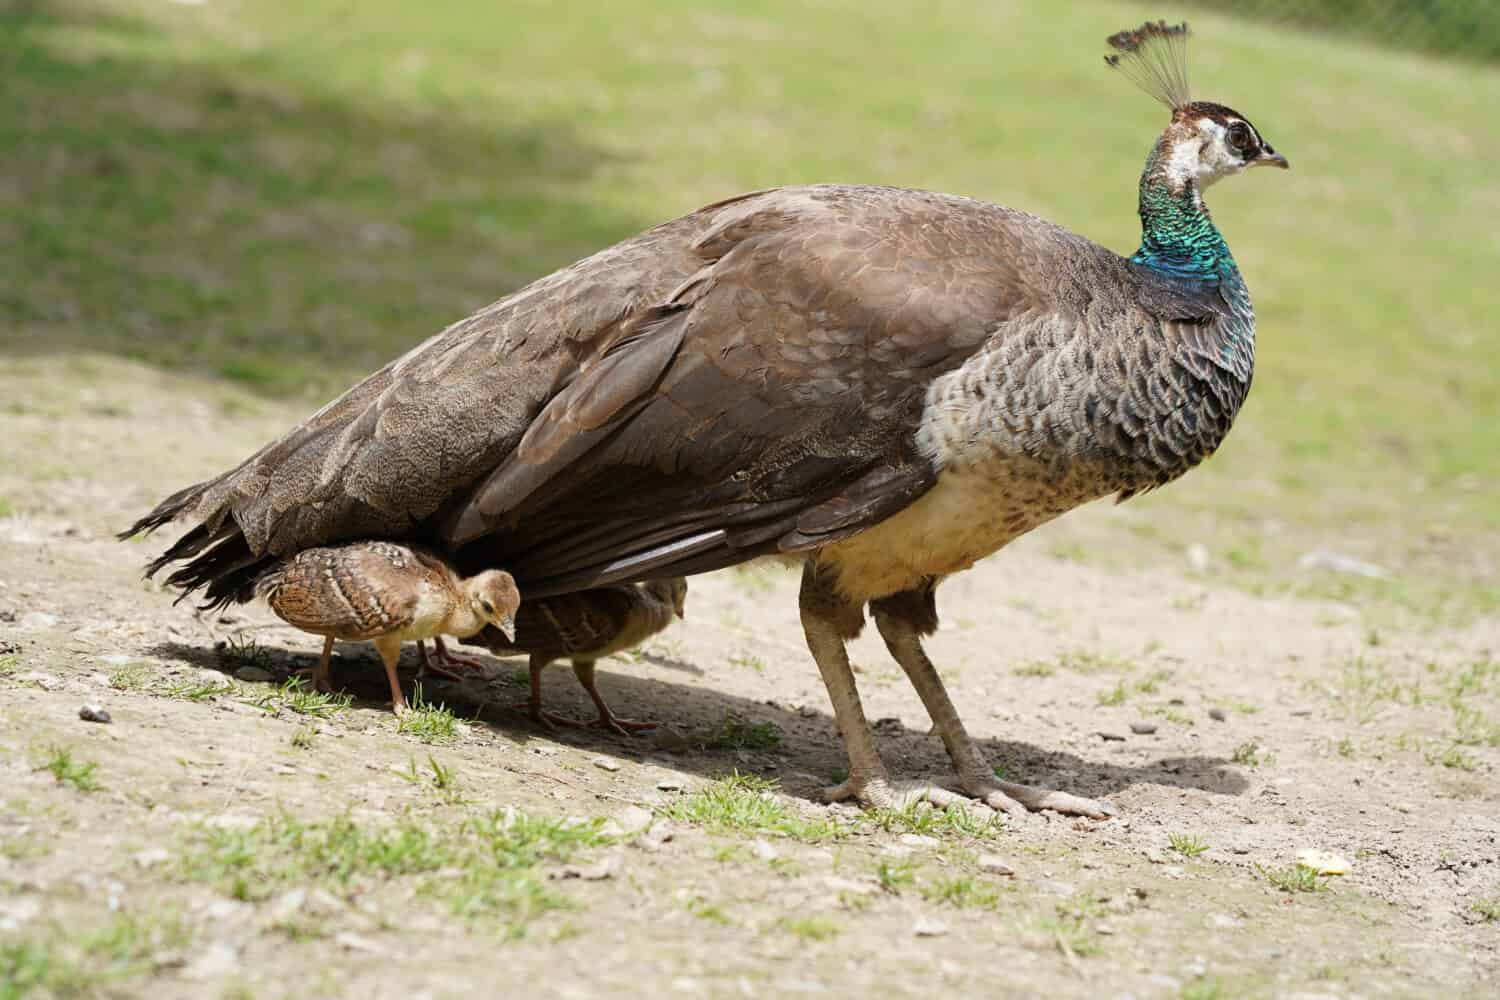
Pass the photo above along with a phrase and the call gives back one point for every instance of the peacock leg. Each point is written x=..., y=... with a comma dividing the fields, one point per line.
x=902, y=619
x=828, y=621
x=319, y=674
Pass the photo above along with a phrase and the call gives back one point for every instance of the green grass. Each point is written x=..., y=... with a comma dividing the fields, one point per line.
x=735, y=733
x=963, y=892
x=195, y=688
x=1295, y=878
x=57, y=961
x=484, y=867
x=9, y=664
x=745, y=804
x=811, y=928
x=237, y=190
x=129, y=676
x=76, y=774
x=1189, y=845
x=1488, y=909
x=237, y=652
x=297, y=695
x=434, y=724
x=921, y=818
x=894, y=876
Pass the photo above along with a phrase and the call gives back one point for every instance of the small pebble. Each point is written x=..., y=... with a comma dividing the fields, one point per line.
x=670, y=785
x=605, y=764
x=36, y=620
x=995, y=865
x=927, y=927
x=1111, y=737
x=919, y=840
x=94, y=713
x=1143, y=728
x=764, y=851
x=254, y=674
x=1217, y=714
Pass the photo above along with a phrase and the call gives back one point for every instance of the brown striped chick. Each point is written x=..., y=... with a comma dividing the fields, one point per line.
x=586, y=626
x=385, y=593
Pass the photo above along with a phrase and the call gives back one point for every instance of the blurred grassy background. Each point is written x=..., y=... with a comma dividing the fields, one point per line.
x=288, y=194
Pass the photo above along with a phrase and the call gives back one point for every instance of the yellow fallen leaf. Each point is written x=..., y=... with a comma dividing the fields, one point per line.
x=1323, y=862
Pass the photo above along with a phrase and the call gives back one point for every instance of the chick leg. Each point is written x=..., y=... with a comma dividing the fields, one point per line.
x=389, y=648
x=902, y=619
x=319, y=674
x=443, y=663
x=584, y=671
x=828, y=621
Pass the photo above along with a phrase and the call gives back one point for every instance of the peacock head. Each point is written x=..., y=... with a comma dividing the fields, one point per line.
x=1205, y=141
x=495, y=599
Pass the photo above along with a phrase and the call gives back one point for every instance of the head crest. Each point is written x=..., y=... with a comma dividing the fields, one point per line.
x=1154, y=58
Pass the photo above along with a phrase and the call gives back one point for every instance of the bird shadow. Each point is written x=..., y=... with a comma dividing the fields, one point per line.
x=800, y=746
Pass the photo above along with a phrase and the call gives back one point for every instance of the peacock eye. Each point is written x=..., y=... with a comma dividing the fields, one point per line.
x=489, y=608
x=1240, y=137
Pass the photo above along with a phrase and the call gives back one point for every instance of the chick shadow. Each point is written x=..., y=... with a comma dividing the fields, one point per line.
x=706, y=732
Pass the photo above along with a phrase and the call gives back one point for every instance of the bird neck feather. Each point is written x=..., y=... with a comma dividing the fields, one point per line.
x=1178, y=238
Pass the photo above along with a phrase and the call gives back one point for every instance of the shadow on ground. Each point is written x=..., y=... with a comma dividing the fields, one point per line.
x=808, y=755
x=201, y=202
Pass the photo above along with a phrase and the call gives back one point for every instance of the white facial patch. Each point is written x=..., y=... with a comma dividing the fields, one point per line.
x=1203, y=158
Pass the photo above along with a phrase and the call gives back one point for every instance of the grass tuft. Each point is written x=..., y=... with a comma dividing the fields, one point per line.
x=57, y=961
x=810, y=928
x=922, y=818
x=1189, y=845
x=1295, y=878
x=734, y=733
x=78, y=774
x=297, y=695
x=963, y=892
x=743, y=803
x=434, y=724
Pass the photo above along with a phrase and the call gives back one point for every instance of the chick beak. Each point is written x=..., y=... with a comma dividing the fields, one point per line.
x=507, y=628
x=1270, y=158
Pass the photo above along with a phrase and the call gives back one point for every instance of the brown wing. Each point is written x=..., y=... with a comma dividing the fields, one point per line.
x=350, y=591
x=746, y=379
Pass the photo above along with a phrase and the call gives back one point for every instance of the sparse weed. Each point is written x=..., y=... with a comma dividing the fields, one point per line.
x=1295, y=878
x=1249, y=754
x=9, y=664
x=129, y=677
x=1172, y=713
x=1364, y=685
x=1036, y=668
x=743, y=803
x=481, y=867
x=1189, y=845
x=895, y=876
x=1454, y=756
x=751, y=662
x=297, y=695
x=78, y=774
x=1071, y=935
x=1346, y=748
x=922, y=818
x=1204, y=989
x=441, y=779
x=57, y=961
x=196, y=688
x=810, y=928
x=302, y=737
x=963, y=892
x=240, y=651
x=734, y=733
x=429, y=723
x=1488, y=909
x=704, y=910
x=1115, y=695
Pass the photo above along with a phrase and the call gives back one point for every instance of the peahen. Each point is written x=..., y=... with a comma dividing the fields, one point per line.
x=883, y=384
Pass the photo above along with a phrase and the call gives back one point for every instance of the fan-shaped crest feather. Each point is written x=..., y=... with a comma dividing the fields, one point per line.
x=1154, y=58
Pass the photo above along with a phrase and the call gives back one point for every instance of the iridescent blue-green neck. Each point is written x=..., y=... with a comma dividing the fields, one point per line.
x=1177, y=236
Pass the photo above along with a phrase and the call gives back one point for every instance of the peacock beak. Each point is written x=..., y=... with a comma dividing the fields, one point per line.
x=507, y=628
x=1270, y=158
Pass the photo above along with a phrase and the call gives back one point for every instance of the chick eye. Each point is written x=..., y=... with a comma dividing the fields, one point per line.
x=1240, y=137
x=487, y=606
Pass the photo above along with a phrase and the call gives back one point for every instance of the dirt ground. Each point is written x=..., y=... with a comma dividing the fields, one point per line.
x=175, y=866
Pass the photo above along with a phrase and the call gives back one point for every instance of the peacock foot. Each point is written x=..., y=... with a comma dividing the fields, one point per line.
x=1002, y=796
x=446, y=664
x=621, y=727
